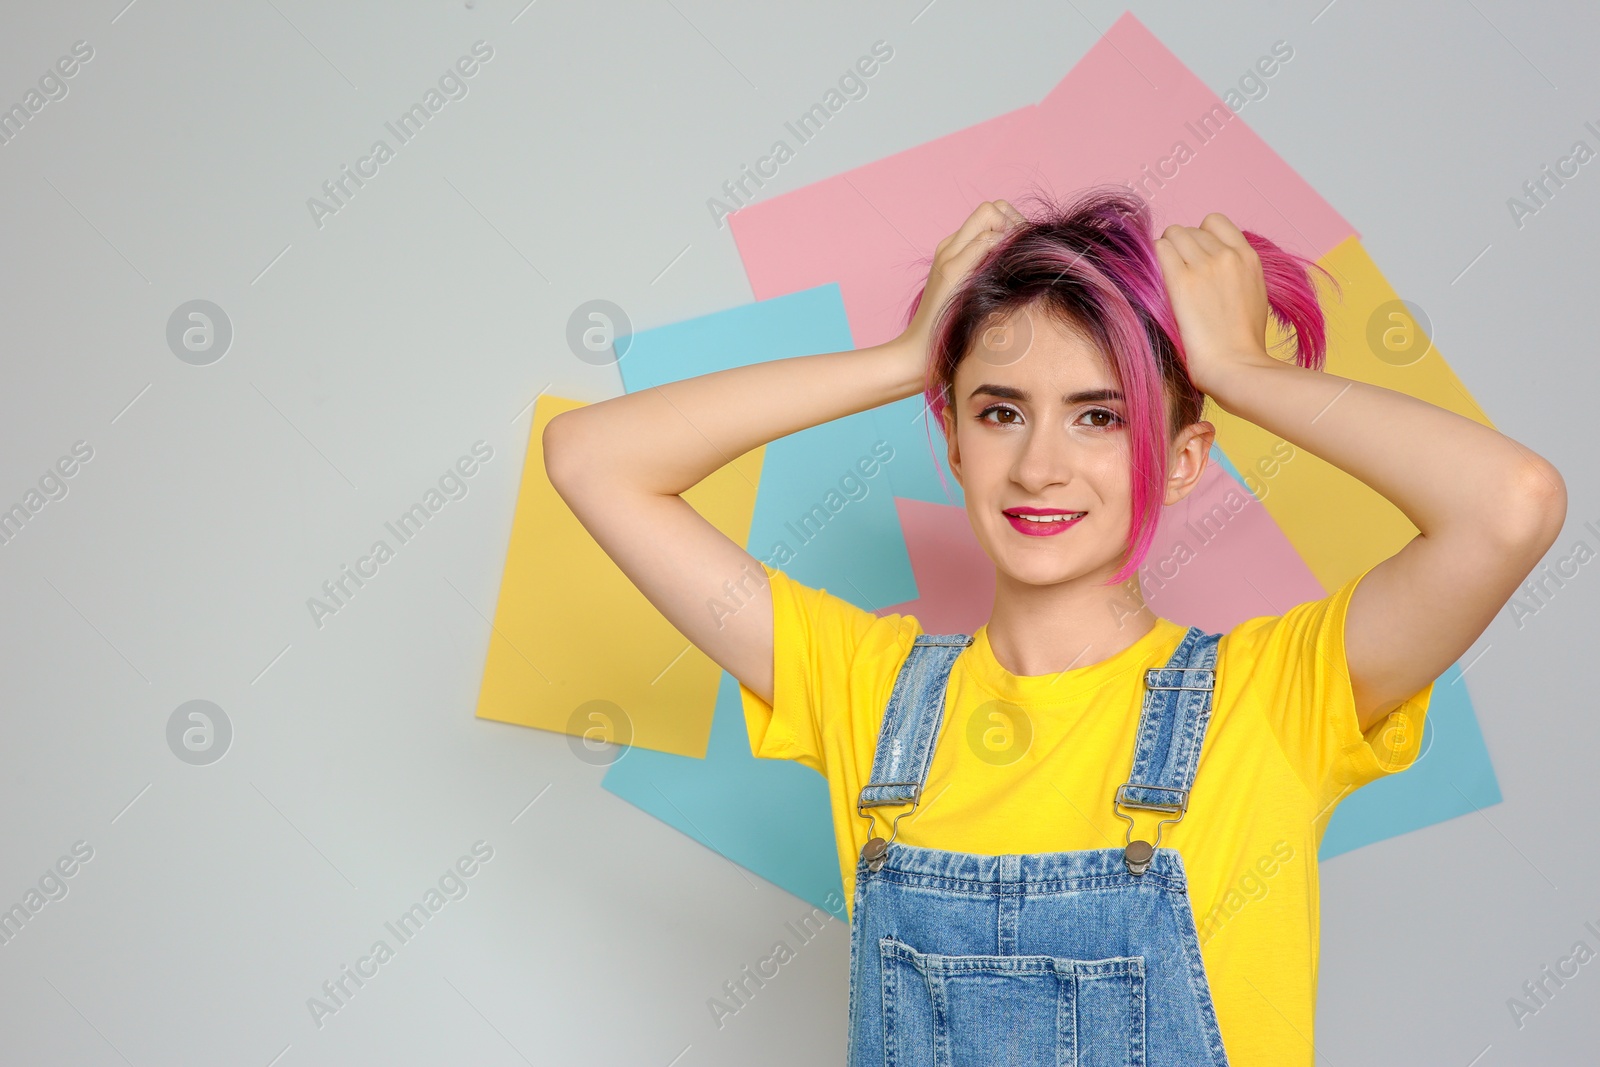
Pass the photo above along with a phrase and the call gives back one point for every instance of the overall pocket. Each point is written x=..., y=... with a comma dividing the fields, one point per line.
x=1010, y=1011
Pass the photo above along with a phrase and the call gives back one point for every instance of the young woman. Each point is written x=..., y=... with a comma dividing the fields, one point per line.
x=1084, y=834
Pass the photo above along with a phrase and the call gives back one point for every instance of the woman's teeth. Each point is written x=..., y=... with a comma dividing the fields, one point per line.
x=1052, y=518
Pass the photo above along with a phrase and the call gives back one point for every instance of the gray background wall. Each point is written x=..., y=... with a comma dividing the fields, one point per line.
x=369, y=354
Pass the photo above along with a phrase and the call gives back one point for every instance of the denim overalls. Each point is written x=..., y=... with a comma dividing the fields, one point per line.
x=1053, y=959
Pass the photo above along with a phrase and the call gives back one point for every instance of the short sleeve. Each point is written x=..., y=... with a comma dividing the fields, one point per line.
x=815, y=639
x=1302, y=677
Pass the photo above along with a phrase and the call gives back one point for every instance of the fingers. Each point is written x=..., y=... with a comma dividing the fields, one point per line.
x=1167, y=255
x=1225, y=231
x=991, y=216
x=1180, y=239
x=984, y=219
x=1215, y=235
x=964, y=233
x=989, y=222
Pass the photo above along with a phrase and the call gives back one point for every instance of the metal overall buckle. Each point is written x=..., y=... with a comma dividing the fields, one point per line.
x=1138, y=854
x=876, y=850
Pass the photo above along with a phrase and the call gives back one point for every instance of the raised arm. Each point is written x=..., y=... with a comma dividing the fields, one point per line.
x=1487, y=507
x=622, y=464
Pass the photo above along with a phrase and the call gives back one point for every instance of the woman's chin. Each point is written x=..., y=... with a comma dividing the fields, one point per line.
x=1038, y=568
x=1036, y=560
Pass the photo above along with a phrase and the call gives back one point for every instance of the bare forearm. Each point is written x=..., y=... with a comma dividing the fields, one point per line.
x=1442, y=470
x=669, y=438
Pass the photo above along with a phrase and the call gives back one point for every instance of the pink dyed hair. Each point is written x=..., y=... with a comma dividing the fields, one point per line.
x=1091, y=263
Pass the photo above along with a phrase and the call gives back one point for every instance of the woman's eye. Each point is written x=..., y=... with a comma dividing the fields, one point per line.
x=999, y=409
x=1106, y=419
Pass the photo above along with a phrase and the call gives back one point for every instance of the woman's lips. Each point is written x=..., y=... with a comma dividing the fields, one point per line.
x=1043, y=529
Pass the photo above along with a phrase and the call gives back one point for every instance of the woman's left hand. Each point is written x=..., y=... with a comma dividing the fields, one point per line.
x=1219, y=296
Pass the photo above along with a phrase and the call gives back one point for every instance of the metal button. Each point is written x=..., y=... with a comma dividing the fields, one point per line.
x=1137, y=856
x=874, y=852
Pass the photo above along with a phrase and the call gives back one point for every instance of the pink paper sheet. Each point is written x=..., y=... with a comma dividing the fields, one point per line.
x=1121, y=108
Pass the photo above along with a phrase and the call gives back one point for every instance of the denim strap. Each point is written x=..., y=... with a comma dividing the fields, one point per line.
x=1172, y=725
x=911, y=721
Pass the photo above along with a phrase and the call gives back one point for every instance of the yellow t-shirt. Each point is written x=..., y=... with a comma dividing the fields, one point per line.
x=1283, y=747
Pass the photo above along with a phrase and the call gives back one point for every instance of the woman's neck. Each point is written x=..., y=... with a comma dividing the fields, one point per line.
x=1046, y=629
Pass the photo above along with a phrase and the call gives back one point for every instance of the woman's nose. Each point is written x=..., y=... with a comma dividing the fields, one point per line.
x=1045, y=459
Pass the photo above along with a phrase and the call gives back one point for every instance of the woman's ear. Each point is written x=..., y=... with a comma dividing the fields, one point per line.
x=1190, y=453
x=953, y=455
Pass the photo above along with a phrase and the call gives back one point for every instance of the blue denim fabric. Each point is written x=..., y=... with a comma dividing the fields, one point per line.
x=1055, y=959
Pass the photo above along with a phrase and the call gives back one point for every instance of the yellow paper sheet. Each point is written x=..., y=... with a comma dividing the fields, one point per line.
x=1338, y=525
x=571, y=629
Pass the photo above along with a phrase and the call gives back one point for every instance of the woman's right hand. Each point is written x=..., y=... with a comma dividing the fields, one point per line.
x=953, y=260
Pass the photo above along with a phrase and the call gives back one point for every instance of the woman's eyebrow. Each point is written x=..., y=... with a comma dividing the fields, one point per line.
x=1007, y=392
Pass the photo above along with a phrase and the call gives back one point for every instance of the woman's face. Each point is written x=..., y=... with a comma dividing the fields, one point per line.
x=1036, y=420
